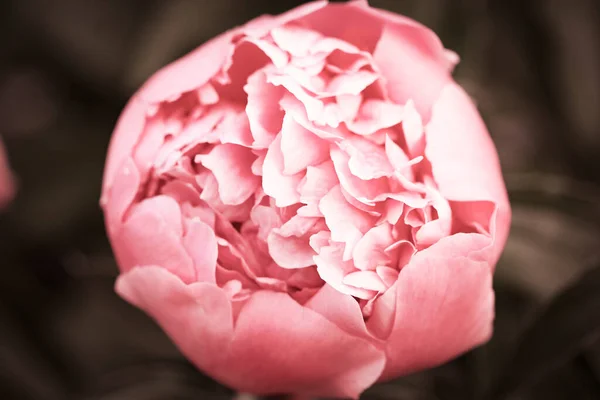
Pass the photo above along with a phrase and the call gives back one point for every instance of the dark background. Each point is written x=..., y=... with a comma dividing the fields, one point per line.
x=67, y=67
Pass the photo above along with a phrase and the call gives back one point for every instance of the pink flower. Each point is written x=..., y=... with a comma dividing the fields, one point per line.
x=309, y=203
x=7, y=184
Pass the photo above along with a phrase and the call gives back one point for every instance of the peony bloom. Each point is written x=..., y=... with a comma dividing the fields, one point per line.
x=7, y=185
x=309, y=203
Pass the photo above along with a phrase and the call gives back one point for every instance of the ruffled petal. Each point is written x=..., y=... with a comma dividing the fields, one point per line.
x=300, y=147
x=264, y=114
x=281, y=187
x=290, y=251
x=231, y=165
x=319, y=180
x=369, y=252
x=343, y=219
x=332, y=269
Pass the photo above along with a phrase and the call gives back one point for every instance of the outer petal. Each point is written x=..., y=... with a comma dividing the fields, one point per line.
x=152, y=235
x=125, y=136
x=411, y=58
x=464, y=160
x=444, y=305
x=197, y=317
x=297, y=350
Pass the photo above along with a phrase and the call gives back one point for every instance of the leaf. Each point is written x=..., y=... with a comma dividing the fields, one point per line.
x=570, y=322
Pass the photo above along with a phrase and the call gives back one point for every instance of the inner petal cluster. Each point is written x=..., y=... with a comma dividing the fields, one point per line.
x=305, y=169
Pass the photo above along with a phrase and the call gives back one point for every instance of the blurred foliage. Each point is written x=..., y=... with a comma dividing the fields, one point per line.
x=66, y=70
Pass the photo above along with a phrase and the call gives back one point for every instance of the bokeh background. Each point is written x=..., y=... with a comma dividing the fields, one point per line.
x=67, y=67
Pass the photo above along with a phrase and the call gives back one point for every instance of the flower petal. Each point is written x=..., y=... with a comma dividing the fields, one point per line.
x=342, y=218
x=231, y=164
x=332, y=268
x=369, y=252
x=153, y=235
x=374, y=115
x=200, y=243
x=281, y=187
x=445, y=291
x=291, y=251
x=368, y=280
x=461, y=173
x=118, y=196
x=262, y=108
x=319, y=180
x=412, y=59
x=300, y=147
x=324, y=360
x=197, y=317
x=340, y=309
x=368, y=161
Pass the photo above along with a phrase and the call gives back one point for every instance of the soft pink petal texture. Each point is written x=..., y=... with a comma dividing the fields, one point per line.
x=342, y=218
x=124, y=137
x=383, y=314
x=295, y=39
x=189, y=72
x=359, y=29
x=300, y=147
x=266, y=219
x=283, y=188
x=264, y=114
x=366, y=280
x=369, y=252
x=117, y=199
x=314, y=356
x=201, y=244
x=320, y=240
x=340, y=309
x=452, y=284
x=197, y=317
x=332, y=269
x=396, y=156
x=464, y=160
x=153, y=234
x=290, y=252
x=364, y=191
x=367, y=160
x=319, y=180
x=278, y=57
x=374, y=115
x=231, y=164
x=389, y=276
x=417, y=68
x=412, y=126
x=7, y=183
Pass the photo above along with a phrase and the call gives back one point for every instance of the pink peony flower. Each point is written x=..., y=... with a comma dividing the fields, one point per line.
x=7, y=184
x=309, y=203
